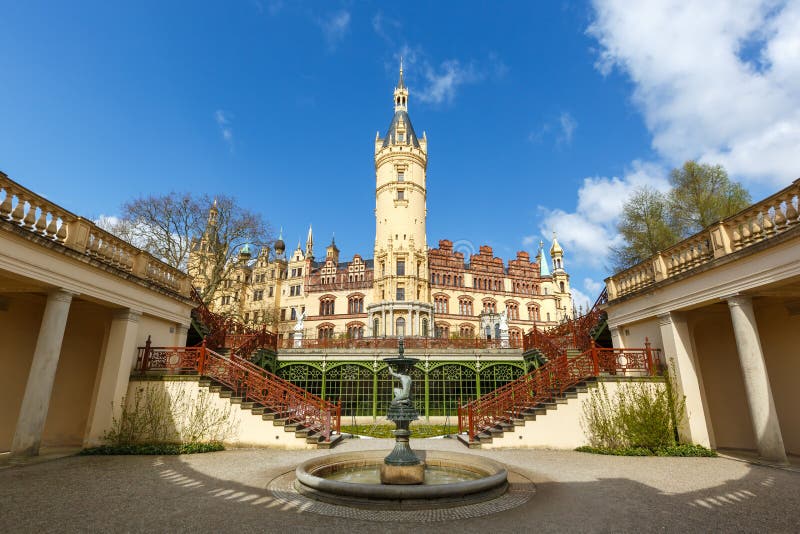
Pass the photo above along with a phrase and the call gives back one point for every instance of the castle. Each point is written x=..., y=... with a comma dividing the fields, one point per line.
x=405, y=289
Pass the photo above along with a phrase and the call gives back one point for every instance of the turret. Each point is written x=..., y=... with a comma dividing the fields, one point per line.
x=309, y=244
x=401, y=248
x=332, y=252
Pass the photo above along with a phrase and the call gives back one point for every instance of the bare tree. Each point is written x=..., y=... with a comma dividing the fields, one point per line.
x=174, y=225
x=228, y=229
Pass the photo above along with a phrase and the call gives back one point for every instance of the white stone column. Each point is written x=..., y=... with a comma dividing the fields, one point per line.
x=181, y=333
x=766, y=427
x=616, y=337
x=391, y=321
x=117, y=363
x=36, y=400
x=677, y=343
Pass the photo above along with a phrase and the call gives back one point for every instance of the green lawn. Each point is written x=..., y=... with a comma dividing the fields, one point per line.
x=383, y=430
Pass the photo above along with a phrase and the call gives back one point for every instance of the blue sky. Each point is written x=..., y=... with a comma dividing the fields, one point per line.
x=540, y=116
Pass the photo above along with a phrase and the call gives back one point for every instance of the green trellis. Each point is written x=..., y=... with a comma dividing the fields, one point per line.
x=365, y=388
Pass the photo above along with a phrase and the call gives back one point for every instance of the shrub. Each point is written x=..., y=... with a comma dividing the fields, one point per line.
x=168, y=419
x=155, y=449
x=684, y=449
x=640, y=416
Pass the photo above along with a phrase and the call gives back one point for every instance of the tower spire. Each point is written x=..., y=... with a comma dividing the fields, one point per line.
x=400, y=92
x=309, y=243
x=400, y=83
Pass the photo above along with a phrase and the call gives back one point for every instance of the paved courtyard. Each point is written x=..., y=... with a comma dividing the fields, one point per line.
x=227, y=491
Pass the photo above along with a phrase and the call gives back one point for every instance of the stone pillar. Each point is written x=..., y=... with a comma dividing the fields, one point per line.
x=181, y=334
x=36, y=400
x=766, y=427
x=117, y=363
x=677, y=343
x=616, y=338
x=391, y=322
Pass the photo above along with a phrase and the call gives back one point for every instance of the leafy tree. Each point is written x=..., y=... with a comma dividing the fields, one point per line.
x=652, y=221
x=701, y=195
x=644, y=226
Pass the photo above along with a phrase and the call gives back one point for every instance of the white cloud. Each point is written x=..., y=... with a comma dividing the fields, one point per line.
x=592, y=286
x=563, y=129
x=334, y=27
x=716, y=81
x=580, y=299
x=442, y=82
x=223, y=120
x=568, y=126
x=438, y=83
x=385, y=26
x=590, y=231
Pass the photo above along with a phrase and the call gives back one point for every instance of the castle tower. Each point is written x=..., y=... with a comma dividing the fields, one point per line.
x=401, y=286
x=560, y=277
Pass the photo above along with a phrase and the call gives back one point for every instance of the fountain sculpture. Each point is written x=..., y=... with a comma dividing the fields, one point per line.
x=402, y=466
x=403, y=479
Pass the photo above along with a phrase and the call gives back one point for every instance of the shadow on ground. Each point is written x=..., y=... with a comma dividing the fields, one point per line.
x=227, y=491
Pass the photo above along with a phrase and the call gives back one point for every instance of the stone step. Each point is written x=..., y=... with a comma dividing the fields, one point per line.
x=292, y=426
x=258, y=410
x=205, y=382
x=464, y=438
x=226, y=394
x=521, y=422
x=215, y=388
x=496, y=432
x=236, y=400
x=484, y=438
x=271, y=416
x=248, y=405
x=335, y=438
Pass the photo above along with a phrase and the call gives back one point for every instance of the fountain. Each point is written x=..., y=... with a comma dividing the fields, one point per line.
x=404, y=479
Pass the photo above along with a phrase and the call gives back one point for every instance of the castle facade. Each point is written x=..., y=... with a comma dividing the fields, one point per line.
x=405, y=288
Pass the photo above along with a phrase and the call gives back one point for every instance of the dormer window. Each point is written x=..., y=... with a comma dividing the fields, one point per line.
x=401, y=137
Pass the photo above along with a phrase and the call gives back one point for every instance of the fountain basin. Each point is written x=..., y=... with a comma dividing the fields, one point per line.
x=451, y=479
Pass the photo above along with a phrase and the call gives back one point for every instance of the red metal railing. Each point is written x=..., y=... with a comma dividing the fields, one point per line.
x=247, y=381
x=550, y=380
x=390, y=342
x=226, y=332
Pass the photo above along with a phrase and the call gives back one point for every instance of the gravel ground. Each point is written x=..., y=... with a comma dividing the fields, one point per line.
x=575, y=492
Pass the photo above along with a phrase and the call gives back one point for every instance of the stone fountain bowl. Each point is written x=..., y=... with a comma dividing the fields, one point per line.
x=490, y=481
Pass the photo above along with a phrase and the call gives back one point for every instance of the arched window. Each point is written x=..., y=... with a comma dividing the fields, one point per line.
x=561, y=284
x=355, y=331
x=424, y=327
x=400, y=327
x=376, y=327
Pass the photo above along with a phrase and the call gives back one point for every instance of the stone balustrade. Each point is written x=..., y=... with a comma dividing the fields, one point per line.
x=763, y=220
x=40, y=216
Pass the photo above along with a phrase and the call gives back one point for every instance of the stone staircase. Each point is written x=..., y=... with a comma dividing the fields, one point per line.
x=278, y=419
x=529, y=415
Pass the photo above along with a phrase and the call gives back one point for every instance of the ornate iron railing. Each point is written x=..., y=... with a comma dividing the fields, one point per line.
x=390, y=342
x=247, y=381
x=227, y=332
x=550, y=380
